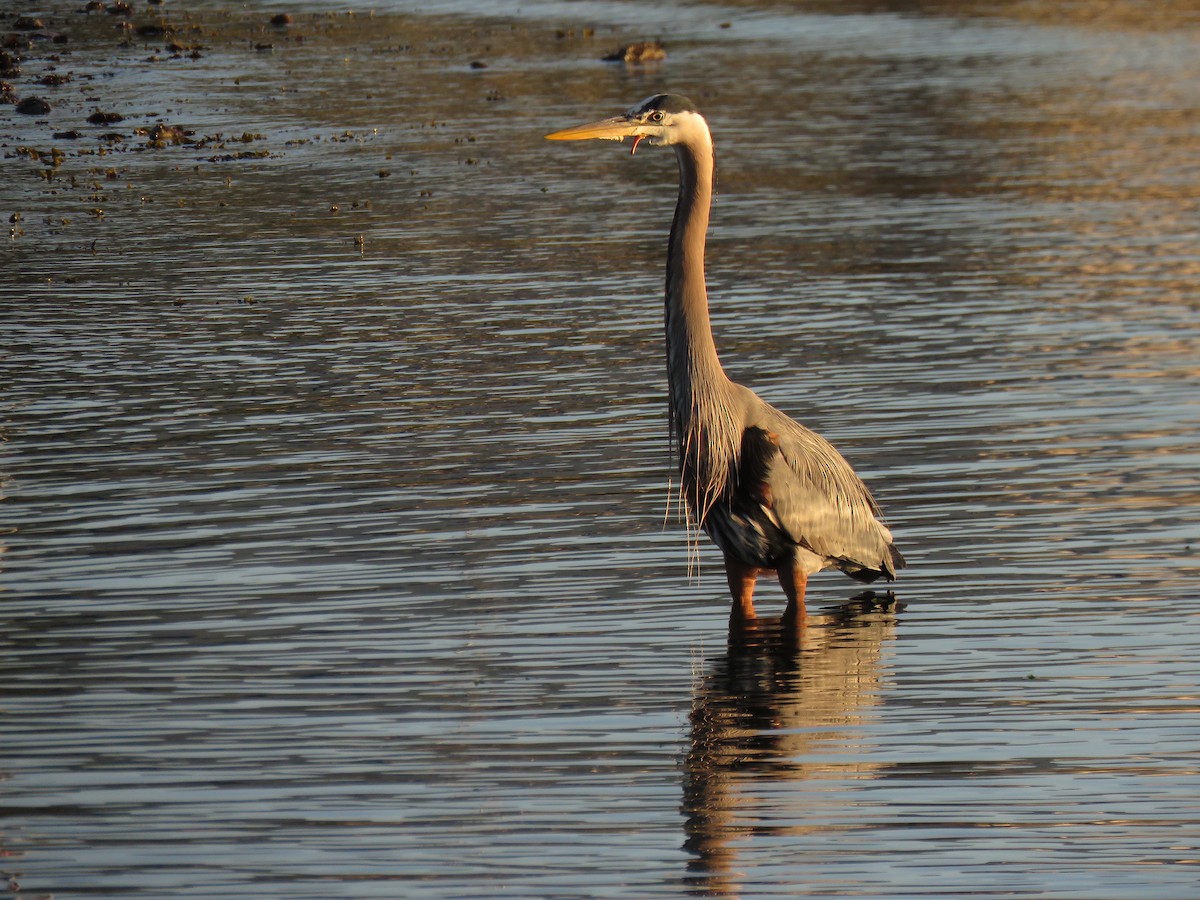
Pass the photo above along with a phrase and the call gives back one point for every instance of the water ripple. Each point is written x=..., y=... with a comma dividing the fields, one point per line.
x=336, y=545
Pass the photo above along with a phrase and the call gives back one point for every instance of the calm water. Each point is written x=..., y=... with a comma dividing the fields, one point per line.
x=336, y=557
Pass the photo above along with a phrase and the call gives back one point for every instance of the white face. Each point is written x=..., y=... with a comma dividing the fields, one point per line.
x=659, y=128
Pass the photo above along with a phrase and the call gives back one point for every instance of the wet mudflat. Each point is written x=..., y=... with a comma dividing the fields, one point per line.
x=337, y=559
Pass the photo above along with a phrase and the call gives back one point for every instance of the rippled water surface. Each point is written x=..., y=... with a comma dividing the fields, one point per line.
x=336, y=551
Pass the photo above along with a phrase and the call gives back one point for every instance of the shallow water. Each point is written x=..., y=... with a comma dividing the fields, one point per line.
x=339, y=568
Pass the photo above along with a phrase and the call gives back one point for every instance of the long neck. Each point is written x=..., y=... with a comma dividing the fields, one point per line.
x=692, y=361
x=702, y=417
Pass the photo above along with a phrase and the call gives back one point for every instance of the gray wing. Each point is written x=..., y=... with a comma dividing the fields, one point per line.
x=820, y=503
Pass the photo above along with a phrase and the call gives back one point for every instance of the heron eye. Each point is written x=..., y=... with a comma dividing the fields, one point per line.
x=656, y=116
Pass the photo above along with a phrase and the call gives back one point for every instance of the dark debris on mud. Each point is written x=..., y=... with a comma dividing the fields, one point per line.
x=55, y=71
x=62, y=74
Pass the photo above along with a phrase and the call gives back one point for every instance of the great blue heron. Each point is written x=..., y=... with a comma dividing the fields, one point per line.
x=772, y=495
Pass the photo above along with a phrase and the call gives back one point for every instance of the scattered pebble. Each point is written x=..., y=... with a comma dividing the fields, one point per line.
x=241, y=154
x=162, y=135
x=105, y=118
x=643, y=51
x=33, y=106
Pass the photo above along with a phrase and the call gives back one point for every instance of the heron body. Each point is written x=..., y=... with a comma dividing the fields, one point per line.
x=773, y=495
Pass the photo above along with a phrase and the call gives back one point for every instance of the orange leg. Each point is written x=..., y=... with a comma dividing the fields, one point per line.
x=741, y=587
x=793, y=581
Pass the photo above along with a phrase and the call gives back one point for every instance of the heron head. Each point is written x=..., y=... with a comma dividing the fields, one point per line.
x=660, y=121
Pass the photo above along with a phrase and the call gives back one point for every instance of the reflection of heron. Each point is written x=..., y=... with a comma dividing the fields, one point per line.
x=772, y=494
x=777, y=727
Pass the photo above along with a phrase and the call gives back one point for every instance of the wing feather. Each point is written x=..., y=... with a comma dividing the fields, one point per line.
x=821, y=504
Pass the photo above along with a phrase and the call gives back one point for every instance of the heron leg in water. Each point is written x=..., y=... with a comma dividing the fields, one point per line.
x=741, y=579
x=793, y=580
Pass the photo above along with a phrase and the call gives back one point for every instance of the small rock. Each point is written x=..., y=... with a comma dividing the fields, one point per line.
x=105, y=118
x=282, y=20
x=33, y=106
x=643, y=51
x=162, y=135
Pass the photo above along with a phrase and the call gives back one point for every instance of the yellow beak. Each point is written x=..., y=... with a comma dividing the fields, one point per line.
x=615, y=129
